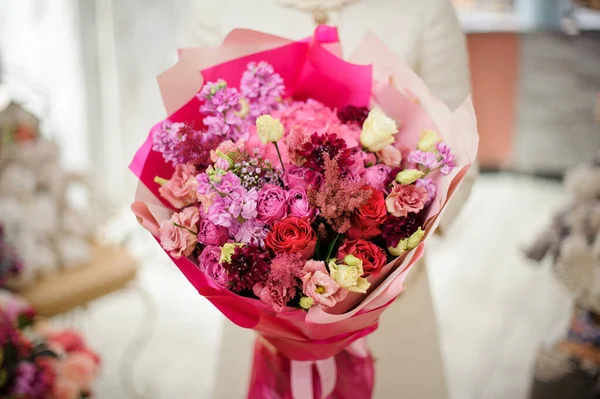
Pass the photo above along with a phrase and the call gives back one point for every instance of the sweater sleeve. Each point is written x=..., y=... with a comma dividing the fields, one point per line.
x=444, y=67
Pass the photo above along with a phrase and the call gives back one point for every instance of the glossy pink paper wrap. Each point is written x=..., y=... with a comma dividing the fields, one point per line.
x=306, y=355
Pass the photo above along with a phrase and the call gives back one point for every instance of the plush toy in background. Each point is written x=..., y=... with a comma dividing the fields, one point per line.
x=35, y=208
x=37, y=362
x=571, y=369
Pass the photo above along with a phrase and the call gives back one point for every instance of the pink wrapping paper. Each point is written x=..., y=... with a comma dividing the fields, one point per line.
x=315, y=342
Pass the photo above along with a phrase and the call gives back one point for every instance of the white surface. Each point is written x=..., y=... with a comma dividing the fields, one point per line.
x=494, y=307
x=489, y=21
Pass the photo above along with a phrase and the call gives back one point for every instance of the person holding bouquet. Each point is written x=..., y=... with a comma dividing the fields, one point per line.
x=427, y=36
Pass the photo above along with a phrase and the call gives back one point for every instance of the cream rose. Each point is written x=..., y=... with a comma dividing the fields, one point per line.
x=409, y=176
x=378, y=131
x=269, y=129
x=348, y=274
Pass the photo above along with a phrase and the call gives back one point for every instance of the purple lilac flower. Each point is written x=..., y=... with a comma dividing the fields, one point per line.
x=221, y=104
x=218, y=212
x=447, y=158
x=430, y=186
x=262, y=87
x=242, y=203
x=229, y=183
x=250, y=231
x=426, y=159
x=24, y=381
x=180, y=143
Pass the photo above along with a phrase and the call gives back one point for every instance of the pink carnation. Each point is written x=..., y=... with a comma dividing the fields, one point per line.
x=178, y=235
x=181, y=190
x=318, y=285
x=405, y=199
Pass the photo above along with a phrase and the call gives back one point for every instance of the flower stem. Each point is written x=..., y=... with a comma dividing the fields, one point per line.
x=279, y=155
x=183, y=227
x=332, y=246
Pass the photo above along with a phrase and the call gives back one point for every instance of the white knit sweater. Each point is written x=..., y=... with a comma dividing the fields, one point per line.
x=424, y=33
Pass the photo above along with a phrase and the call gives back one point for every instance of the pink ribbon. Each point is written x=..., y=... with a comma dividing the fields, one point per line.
x=302, y=372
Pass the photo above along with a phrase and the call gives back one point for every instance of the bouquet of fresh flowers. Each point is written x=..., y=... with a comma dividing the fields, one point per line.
x=37, y=362
x=295, y=189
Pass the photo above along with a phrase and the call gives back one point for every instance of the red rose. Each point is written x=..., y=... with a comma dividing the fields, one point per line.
x=367, y=219
x=292, y=235
x=373, y=257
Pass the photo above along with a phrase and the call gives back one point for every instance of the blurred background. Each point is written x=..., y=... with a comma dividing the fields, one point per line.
x=83, y=73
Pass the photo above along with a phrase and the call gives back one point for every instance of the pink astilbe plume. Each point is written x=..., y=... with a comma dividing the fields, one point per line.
x=338, y=197
x=283, y=282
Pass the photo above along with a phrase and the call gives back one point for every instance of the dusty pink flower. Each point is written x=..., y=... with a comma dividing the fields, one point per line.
x=227, y=147
x=65, y=388
x=211, y=234
x=377, y=176
x=178, y=235
x=299, y=205
x=283, y=282
x=318, y=285
x=181, y=190
x=272, y=204
x=208, y=262
x=390, y=156
x=294, y=140
x=405, y=199
x=79, y=368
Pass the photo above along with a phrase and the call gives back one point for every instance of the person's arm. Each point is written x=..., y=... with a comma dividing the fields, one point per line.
x=444, y=67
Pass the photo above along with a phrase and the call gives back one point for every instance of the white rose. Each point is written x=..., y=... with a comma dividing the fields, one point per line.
x=378, y=131
x=269, y=129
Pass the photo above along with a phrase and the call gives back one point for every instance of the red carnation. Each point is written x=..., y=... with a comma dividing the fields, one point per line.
x=292, y=235
x=368, y=218
x=372, y=256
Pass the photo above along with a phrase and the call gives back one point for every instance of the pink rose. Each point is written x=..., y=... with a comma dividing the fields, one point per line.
x=178, y=235
x=405, y=199
x=211, y=234
x=298, y=204
x=209, y=264
x=390, y=156
x=272, y=204
x=377, y=176
x=79, y=368
x=299, y=177
x=180, y=191
x=318, y=285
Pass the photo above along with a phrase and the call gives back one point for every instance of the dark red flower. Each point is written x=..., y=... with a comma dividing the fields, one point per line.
x=315, y=149
x=249, y=265
x=292, y=235
x=395, y=229
x=353, y=115
x=367, y=219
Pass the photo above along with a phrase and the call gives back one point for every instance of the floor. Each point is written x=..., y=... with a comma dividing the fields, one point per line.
x=494, y=309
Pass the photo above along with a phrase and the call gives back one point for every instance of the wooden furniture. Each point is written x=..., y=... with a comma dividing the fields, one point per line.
x=110, y=270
